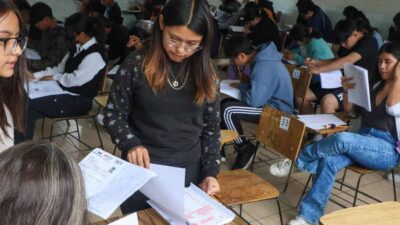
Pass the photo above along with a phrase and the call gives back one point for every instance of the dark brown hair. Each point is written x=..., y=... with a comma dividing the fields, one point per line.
x=12, y=92
x=194, y=14
x=40, y=184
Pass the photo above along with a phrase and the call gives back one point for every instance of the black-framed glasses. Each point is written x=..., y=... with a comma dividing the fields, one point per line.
x=9, y=45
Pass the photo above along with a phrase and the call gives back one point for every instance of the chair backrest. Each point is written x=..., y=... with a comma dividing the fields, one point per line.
x=280, y=132
x=301, y=79
x=103, y=83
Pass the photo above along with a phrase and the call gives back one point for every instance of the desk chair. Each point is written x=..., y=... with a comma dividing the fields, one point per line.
x=375, y=214
x=90, y=115
x=278, y=132
x=301, y=80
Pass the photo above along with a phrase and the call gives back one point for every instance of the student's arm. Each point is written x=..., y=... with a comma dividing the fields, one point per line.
x=393, y=100
x=50, y=71
x=210, y=138
x=347, y=84
x=257, y=93
x=336, y=64
x=87, y=69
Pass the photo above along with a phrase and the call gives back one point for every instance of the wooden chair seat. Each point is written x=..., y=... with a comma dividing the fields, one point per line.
x=101, y=100
x=228, y=136
x=241, y=186
x=387, y=213
x=361, y=170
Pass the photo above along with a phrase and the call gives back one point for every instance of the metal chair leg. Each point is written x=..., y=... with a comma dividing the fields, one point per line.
x=344, y=176
x=304, y=190
x=394, y=186
x=98, y=133
x=77, y=129
x=280, y=211
x=356, y=191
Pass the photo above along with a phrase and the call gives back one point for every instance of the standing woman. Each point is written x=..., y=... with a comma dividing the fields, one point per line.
x=12, y=73
x=163, y=106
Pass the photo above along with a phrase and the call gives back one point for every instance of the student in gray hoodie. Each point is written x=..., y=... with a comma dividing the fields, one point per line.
x=269, y=85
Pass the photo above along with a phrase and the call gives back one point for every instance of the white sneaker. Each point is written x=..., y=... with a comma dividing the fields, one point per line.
x=281, y=168
x=396, y=177
x=298, y=221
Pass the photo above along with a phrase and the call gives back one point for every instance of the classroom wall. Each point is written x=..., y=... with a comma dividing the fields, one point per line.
x=380, y=12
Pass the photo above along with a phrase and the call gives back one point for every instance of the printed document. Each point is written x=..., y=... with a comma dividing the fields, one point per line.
x=320, y=121
x=109, y=181
x=38, y=89
x=359, y=95
x=225, y=88
x=131, y=219
x=331, y=79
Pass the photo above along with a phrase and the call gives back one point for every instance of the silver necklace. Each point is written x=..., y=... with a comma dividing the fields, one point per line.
x=175, y=84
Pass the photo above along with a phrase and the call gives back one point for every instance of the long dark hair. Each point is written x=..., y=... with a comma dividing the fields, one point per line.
x=194, y=14
x=12, y=92
x=40, y=184
x=91, y=26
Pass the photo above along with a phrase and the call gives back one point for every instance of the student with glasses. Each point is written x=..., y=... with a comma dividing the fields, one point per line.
x=12, y=73
x=163, y=106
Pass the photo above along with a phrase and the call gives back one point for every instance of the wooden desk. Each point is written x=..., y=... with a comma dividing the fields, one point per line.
x=151, y=217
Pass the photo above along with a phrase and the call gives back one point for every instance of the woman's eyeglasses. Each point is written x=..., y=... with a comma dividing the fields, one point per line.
x=9, y=45
x=187, y=47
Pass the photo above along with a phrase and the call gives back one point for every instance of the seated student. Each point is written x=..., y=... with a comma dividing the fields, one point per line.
x=152, y=8
x=268, y=85
x=311, y=45
x=79, y=74
x=40, y=184
x=113, y=11
x=314, y=18
x=227, y=13
x=373, y=147
x=357, y=48
x=394, y=30
x=52, y=45
x=92, y=7
x=267, y=7
x=259, y=28
x=116, y=39
x=351, y=12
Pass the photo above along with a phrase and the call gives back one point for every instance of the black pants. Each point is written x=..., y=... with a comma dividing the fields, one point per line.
x=53, y=106
x=234, y=111
x=138, y=200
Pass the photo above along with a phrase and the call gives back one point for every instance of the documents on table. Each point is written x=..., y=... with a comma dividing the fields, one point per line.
x=320, y=121
x=331, y=79
x=130, y=219
x=230, y=91
x=359, y=95
x=109, y=181
x=39, y=89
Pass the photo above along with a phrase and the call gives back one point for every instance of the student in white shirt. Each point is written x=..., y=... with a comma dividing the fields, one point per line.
x=79, y=74
x=12, y=73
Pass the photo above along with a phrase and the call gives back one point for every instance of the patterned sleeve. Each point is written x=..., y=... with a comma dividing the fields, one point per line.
x=211, y=139
x=119, y=105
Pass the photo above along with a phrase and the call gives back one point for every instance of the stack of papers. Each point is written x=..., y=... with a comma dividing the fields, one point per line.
x=225, y=88
x=359, y=95
x=331, y=79
x=39, y=89
x=320, y=121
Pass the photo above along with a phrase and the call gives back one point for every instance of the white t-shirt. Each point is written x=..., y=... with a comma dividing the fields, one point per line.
x=6, y=142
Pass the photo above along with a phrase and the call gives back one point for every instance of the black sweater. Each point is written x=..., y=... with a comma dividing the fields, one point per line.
x=174, y=130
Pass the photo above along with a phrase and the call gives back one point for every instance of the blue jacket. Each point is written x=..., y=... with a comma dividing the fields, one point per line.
x=270, y=82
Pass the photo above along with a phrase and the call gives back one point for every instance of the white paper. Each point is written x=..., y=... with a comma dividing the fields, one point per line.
x=320, y=121
x=131, y=219
x=359, y=95
x=32, y=54
x=225, y=88
x=39, y=89
x=331, y=79
x=109, y=181
x=238, y=29
x=114, y=70
x=284, y=122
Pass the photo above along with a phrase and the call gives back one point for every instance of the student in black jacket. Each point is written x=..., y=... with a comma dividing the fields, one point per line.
x=113, y=11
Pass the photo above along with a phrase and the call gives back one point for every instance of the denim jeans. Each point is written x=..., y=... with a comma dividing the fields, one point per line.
x=371, y=148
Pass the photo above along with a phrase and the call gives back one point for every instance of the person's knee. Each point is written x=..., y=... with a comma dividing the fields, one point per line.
x=329, y=104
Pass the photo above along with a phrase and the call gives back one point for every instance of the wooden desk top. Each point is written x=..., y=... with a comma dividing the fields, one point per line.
x=151, y=217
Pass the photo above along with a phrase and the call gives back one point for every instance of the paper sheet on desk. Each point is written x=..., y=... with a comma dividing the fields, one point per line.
x=225, y=88
x=319, y=121
x=114, y=70
x=39, y=89
x=32, y=54
x=131, y=219
x=331, y=79
x=109, y=181
x=359, y=95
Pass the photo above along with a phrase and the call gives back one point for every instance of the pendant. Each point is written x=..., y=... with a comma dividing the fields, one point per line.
x=175, y=84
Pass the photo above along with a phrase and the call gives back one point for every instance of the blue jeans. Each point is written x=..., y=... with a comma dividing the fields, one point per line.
x=371, y=148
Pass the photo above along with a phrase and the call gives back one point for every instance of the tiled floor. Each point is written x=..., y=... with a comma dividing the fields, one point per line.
x=264, y=212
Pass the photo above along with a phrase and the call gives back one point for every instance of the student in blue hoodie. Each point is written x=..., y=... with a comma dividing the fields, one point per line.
x=269, y=85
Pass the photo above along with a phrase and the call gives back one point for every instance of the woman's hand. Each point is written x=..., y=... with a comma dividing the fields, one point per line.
x=134, y=41
x=346, y=83
x=139, y=155
x=210, y=185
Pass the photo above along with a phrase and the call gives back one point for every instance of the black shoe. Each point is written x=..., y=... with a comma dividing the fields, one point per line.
x=245, y=156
